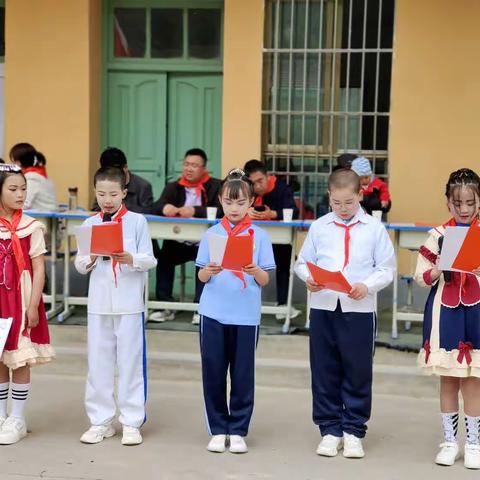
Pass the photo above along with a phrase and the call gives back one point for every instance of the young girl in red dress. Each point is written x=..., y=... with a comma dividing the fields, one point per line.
x=22, y=276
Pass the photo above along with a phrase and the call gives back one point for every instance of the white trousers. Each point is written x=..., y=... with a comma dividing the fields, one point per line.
x=116, y=341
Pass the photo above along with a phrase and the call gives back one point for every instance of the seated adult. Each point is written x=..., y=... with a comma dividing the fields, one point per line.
x=272, y=196
x=41, y=195
x=187, y=197
x=139, y=197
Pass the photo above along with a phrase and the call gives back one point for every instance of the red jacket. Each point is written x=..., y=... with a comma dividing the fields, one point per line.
x=380, y=186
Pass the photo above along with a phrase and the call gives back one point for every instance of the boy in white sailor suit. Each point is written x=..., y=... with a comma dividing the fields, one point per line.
x=342, y=326
x=116, y=308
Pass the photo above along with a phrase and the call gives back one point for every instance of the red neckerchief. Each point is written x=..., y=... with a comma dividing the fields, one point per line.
x=198, y=186
x=117, y=217
x=346, y=240
x=271, y=182
x=240, y=227
x=16, y=245
x=37, y=169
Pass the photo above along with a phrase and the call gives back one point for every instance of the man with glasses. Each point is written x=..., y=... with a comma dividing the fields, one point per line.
x=187, y=197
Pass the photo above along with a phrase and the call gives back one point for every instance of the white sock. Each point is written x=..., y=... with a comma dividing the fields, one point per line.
x=473, y=433
x=3, y=398
x=450, y=426
x=19, y=398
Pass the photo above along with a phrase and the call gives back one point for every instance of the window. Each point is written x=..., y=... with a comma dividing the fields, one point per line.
x=167, y=33
x=326, y=89
x=129, y=32
x=172, y=33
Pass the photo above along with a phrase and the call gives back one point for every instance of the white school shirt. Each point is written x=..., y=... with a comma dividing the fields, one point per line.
x=371, y=259
x=40, y=193
x=104, y=298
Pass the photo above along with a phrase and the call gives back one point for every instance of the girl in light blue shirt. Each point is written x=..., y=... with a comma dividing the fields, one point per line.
x=230, y=315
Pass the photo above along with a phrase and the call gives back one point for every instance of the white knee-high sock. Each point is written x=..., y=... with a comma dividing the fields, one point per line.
x=4, y=398
x=19, y=398
x=450, y=426
x=473, y=430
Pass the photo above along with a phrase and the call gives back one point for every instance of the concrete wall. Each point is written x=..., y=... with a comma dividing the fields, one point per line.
x=434, y=123
x=52, y=85
x=242, y=82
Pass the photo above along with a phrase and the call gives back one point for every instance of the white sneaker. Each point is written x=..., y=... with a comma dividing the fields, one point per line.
x=217, y=443
x=471, y=458
x=13, y=430
x=238, y=444
x=97, y=433
x=196, y=319
x=131, y=436
x=294, y=313
x=161, y=316
x=329, y=446
x=2, y=421
x=352, y=446
x=448, y=453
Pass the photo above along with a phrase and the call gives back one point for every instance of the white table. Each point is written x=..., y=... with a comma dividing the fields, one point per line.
x=183, y=230
x=49, y=220
x=411, y=237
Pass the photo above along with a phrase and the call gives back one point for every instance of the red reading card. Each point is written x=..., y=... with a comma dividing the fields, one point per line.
x=238, y=253
x=331, y=280
x=107, y=238
x=468, y=258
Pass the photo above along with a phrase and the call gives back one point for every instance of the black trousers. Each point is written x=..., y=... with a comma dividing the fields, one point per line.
x=341, y=361
x=169, y=256
x=282, y=255
x=228, y=348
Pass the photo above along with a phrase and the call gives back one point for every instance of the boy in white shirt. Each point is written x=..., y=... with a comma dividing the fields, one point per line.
x=116, y=309
x=343, y=326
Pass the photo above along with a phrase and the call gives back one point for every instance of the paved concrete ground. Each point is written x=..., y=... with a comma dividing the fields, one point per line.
x=402, y=440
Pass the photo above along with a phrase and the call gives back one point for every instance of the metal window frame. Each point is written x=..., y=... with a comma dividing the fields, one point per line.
x=329, y=115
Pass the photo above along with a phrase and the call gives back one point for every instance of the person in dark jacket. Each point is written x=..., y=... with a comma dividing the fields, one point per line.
x=187, y=197
x=139, y=197
x=272, y=196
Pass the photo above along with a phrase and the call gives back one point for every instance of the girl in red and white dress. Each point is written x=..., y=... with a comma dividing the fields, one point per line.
x=451, y=328
x=22, y=277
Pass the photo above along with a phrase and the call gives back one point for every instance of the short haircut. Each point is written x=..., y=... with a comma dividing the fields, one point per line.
x=112, y=174
x=20, y=149
x=344, y=178
x=253, y=166
x=235, y=183
x=113, y=157
x=197, y=152
x=345, y=159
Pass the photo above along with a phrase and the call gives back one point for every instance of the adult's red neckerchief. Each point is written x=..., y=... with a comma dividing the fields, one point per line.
x=198, y=186
x=271, y=182
x=36, y=169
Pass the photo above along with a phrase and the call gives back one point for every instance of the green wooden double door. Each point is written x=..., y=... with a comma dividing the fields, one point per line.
x=155, y=117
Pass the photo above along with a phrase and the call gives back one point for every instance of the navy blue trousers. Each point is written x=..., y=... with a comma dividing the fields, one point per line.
x=224, y=348
x=341, y=362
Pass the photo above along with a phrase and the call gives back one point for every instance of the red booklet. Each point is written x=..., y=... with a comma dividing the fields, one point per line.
x=238, y=253
x=468, y=258
x=332, y=280
x=107, y=238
